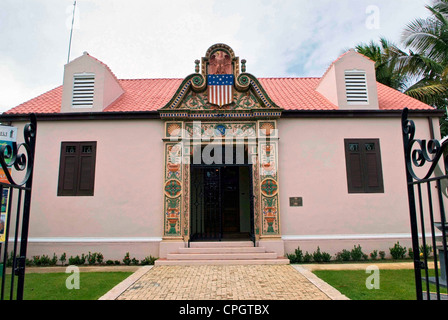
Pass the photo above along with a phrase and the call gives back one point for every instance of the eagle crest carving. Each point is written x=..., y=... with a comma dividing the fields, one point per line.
x=220, y=63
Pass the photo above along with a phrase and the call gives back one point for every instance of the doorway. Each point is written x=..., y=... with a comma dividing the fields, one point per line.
x=221, y=203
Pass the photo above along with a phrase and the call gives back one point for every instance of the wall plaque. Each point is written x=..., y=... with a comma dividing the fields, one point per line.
x=295, y=201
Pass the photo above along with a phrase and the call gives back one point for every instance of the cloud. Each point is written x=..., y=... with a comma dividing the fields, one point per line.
x=13, y=89
x=151, y=38
x=158, y=39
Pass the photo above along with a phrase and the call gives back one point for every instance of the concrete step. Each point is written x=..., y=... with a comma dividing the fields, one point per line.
x=166, y=262
x=223, y=250
x=221, y=253
x=221, y=256
x=221, y=244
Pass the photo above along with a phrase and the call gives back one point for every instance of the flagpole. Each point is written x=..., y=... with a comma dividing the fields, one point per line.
x=71, y=32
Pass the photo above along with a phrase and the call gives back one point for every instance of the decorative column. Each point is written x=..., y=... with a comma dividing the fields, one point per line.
x=253, y=154
x=269, y=186
x=173, y=182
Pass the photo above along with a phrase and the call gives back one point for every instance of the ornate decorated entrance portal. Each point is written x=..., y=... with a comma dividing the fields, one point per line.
x=220, y=118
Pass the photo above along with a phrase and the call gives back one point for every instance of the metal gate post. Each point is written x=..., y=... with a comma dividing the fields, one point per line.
x=20, y=269
x=21, y=162
x=418, y=153
x=412, y=210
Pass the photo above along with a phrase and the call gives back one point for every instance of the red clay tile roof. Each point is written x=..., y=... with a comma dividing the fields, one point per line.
x=153, y=94
x=391, y=99
x=145, y=95
x=296, y=93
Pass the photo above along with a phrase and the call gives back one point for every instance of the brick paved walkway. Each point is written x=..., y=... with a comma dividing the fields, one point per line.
x=243, y=282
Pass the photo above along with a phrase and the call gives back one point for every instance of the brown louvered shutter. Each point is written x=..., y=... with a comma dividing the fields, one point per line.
x=86, y=169
x=354, y=166
x=363, y=164
x=77, y=169
x=68, y=169
x=373, y=170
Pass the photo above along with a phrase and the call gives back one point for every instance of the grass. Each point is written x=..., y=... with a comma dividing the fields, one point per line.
x=51, y=286
x=394, y=284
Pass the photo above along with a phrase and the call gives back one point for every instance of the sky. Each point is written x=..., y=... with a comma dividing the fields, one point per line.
x=162, y=39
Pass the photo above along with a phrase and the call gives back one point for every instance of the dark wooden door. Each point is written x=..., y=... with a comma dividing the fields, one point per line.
x=230, y=199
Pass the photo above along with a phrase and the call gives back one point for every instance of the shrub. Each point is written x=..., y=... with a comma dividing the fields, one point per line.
x=127, y=259
x=411, y=253
x=77, y=260
x=296, y=257
x=9, y=261
x=148, y=260
x=427, y=249
x=135, y=261
x=326, y=257
x=374, y=255
x=299, y=255
x=422, y=249
x=317, y=255
x=36, y=261
x=63, y=258
x=307, y=257
x=382, y=255
x=99, y=258
x=45, y=260
x=109, y=262
x=117, y=263
x=91, y=258
x=356, y=254
x=344, y=255
x=397, y=251
x=54, y=260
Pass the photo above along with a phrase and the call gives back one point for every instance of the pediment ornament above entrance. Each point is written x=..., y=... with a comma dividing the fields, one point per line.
x=219, y=89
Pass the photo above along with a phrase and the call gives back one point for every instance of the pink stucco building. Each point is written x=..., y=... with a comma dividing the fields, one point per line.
x=155, y=166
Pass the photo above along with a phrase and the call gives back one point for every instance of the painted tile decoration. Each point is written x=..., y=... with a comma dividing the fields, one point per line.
x=208, y=130
x=264, y=155
x=269, y=187
x=173, y=190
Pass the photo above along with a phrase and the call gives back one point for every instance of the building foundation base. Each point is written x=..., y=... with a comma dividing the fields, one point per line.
x=273, y=245
x=169, y=246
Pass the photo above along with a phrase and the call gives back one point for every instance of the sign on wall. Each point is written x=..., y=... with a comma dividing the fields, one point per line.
x=8, y=135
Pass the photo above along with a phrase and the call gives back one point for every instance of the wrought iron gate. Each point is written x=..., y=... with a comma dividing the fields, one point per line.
x=207, y=202
x=427, y=194
x=21, y=158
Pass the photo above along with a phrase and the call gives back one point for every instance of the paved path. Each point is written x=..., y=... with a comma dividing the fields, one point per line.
x=362, y=266
x=242, y=282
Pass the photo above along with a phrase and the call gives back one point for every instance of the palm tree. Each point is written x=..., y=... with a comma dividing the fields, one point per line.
x=387, y=57
x=427, y=62
x=422, y=73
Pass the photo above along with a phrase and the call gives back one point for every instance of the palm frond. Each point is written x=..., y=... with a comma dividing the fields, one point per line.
x=428, y=91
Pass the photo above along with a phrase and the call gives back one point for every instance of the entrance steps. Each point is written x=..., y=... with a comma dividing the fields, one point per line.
x=221, y=253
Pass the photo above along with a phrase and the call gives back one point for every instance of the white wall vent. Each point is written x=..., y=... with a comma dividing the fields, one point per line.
x=83, y=89
x=356, y=87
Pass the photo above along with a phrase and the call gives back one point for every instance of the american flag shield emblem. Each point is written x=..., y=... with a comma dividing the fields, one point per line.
x=220, y=89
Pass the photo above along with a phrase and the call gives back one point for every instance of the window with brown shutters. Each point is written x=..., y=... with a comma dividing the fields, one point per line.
x=363, y=163
x=77, y=169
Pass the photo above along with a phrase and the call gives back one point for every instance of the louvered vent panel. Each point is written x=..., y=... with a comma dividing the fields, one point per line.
x=83, y=89
x=356, y=87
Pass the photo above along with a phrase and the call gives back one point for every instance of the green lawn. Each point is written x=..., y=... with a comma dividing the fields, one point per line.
x=394, y=284
x=51, y=286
